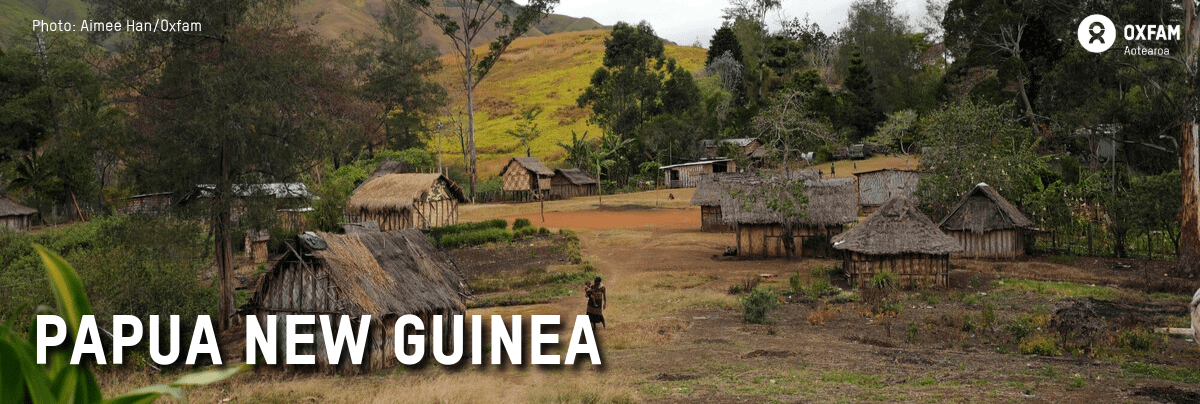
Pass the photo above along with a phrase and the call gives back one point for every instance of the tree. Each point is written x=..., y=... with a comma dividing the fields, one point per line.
x=723, y=41
x=601, y=156
x=1189, y=254
x=250, y=99
x=899, y=128
x=527, y=130
x=972, y=143
x=789, y=123
x=474, y=16
x=397, y=72
x=863, y=114
x=891, y=50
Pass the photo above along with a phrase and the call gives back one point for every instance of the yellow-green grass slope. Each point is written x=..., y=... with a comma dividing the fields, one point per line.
x=548, y=72
x=16, y=16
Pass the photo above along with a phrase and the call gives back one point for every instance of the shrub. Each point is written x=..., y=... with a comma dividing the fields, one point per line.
x=884, y=279
x=987, y=315
x=889, y=307
x=1039, y=345
x=521, y=223
x=911, y=331
x=796, y=282
x=819, y=317
x=543, y=230
x=757, y=305
x=1020, y=328
x=477, y=237
x=439, y=232
x=821, y=287
x=525, y=232
x=1139, y=339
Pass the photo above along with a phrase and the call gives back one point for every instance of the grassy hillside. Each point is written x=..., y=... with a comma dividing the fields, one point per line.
x=335, y=18
x=16, y=15
x=549, y=71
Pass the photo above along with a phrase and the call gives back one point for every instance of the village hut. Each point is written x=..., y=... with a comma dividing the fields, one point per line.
x=710, y=191
x=987, y=225
x=14, y=215
x=750, y=147
x=897, y=237
x=152, y=203
x=402, y=201
x=763, y=232
x=572, y=182
x=526, y=174
x=877, y=186
x=686, y=175
x=384, y=275
x=256, y=245
x=388, y=167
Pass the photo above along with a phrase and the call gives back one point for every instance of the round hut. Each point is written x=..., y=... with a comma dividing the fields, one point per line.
x=901, y=239
x=987, y=225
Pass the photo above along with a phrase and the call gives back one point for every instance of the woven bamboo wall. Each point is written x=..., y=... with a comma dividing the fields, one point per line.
x=924, y=270
x=15, y=222
x=1005, y=244
x=437, y=213
x=517, y=178
x=710, y=220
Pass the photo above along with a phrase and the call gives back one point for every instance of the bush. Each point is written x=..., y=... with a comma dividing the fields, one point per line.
x=1139, y=339
x=884, y=279
x=796, y=282
x=1020, y=328
x=757, y=305
x=1040, y=345
x=987, y=315
x=521, y=223
x=525, y=232
x=439, y=232
x=477, y=237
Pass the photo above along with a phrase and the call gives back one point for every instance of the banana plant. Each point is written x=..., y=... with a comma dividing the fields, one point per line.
x=23, y=380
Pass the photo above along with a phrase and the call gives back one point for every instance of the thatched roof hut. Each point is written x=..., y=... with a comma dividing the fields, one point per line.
x=572, y=182
x=987, y=225
x=388, y=167
x=899, y=238
x=385, y=275
x=766, y=232
x=401, y=201
x=14, y=215
x=526, y=174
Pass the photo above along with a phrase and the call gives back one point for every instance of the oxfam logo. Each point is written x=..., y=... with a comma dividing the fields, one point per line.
x=1097, y=33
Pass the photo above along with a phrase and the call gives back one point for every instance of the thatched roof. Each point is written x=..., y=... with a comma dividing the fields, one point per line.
x=388, y=167
x=397, y=272
x=709, y=188
x=401, y=191
x=831, y=201
x=10, y=208
x=575, y=176
x=531, y=164
x=369, y=226
x=983, y=209
x=896, y=227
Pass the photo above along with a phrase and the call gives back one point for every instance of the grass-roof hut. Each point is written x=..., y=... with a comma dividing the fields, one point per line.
x=402, y=201
x=877, y=186
x=572, y=182
x=385, y=275
x=987, y=225
x=686, y=175
x=526, y=174
x=765, y=232
x=14, y=215
x=899, y=238
x=710, y=191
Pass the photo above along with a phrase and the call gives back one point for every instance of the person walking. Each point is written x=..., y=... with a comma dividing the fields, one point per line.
x=597, y=302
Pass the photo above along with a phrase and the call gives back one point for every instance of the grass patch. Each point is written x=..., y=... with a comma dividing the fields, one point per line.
x=1162, y=373
x=534, y=286
x=857, y=379
x=1060, y=290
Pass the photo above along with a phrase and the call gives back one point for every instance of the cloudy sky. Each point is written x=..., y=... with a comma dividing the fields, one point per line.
x=685, y=21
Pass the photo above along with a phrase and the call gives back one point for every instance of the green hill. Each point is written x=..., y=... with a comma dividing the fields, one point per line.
x=549, y=71
x=17, y=15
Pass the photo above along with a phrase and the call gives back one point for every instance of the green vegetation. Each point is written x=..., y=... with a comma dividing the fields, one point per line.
x=1185, y=375
x=758, y=305
x=533, y=286
x=520, y=223
x=1059, y=290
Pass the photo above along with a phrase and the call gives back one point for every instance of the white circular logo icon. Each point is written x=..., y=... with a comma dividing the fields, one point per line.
x=1097, y=33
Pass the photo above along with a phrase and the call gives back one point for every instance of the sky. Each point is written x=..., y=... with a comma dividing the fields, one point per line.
x=686, y=21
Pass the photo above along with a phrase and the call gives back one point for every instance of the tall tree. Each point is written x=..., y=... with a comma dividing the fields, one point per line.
x=527, y=130
x=472, y=19
x=248, y=99
x=724, y=40
x=889, y=47
x=1189, y=253
x=863, y=114
x=398, y=74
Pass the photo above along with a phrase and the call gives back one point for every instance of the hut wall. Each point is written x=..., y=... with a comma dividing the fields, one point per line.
x=566, y=190
x=767, y=240
x=518, y=178
x=876, y=188
x=1009, y=243
x=388, y=220
x=147, y=204
x=710, y=219
x=926, y=270
x=15, y=222
x=688, y=175
x=436, y=213
x=544, y=183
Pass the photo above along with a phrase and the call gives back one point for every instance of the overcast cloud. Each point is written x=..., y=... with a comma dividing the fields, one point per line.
x=686, y=21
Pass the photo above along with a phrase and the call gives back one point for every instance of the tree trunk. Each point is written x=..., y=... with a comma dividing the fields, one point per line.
x=1189, y=242
x=223, y=251
x=470, y=81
